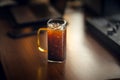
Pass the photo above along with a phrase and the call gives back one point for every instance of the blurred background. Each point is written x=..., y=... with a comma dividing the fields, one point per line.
x=24, y=17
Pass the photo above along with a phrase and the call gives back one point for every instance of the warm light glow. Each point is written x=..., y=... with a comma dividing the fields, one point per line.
x=39, y=74
x=79, y=52
x=42, y=50
x=38, y=39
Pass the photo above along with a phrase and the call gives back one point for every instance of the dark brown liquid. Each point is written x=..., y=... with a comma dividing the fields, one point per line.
x=56, y=45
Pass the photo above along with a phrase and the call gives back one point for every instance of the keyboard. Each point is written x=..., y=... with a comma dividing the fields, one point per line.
x=107, y=32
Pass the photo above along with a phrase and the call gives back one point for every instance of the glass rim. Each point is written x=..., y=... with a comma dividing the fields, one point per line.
x=64, y=21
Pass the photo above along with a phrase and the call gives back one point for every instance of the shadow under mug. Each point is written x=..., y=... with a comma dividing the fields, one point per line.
x=56, y=37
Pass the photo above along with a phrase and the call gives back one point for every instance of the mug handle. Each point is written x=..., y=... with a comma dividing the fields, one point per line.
x=38, y=39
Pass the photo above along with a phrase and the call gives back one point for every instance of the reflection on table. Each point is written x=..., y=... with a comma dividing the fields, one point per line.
x=86, y=59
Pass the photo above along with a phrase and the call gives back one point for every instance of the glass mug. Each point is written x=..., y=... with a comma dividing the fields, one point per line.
x=56, y=37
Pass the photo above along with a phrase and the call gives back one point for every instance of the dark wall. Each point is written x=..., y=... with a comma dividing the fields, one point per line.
x=59, y=5
x=103, y=7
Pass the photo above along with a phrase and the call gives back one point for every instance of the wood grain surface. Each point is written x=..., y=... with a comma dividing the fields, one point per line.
x=86, y=59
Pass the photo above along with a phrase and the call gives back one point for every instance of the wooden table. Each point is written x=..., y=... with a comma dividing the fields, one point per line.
x=86, y=59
